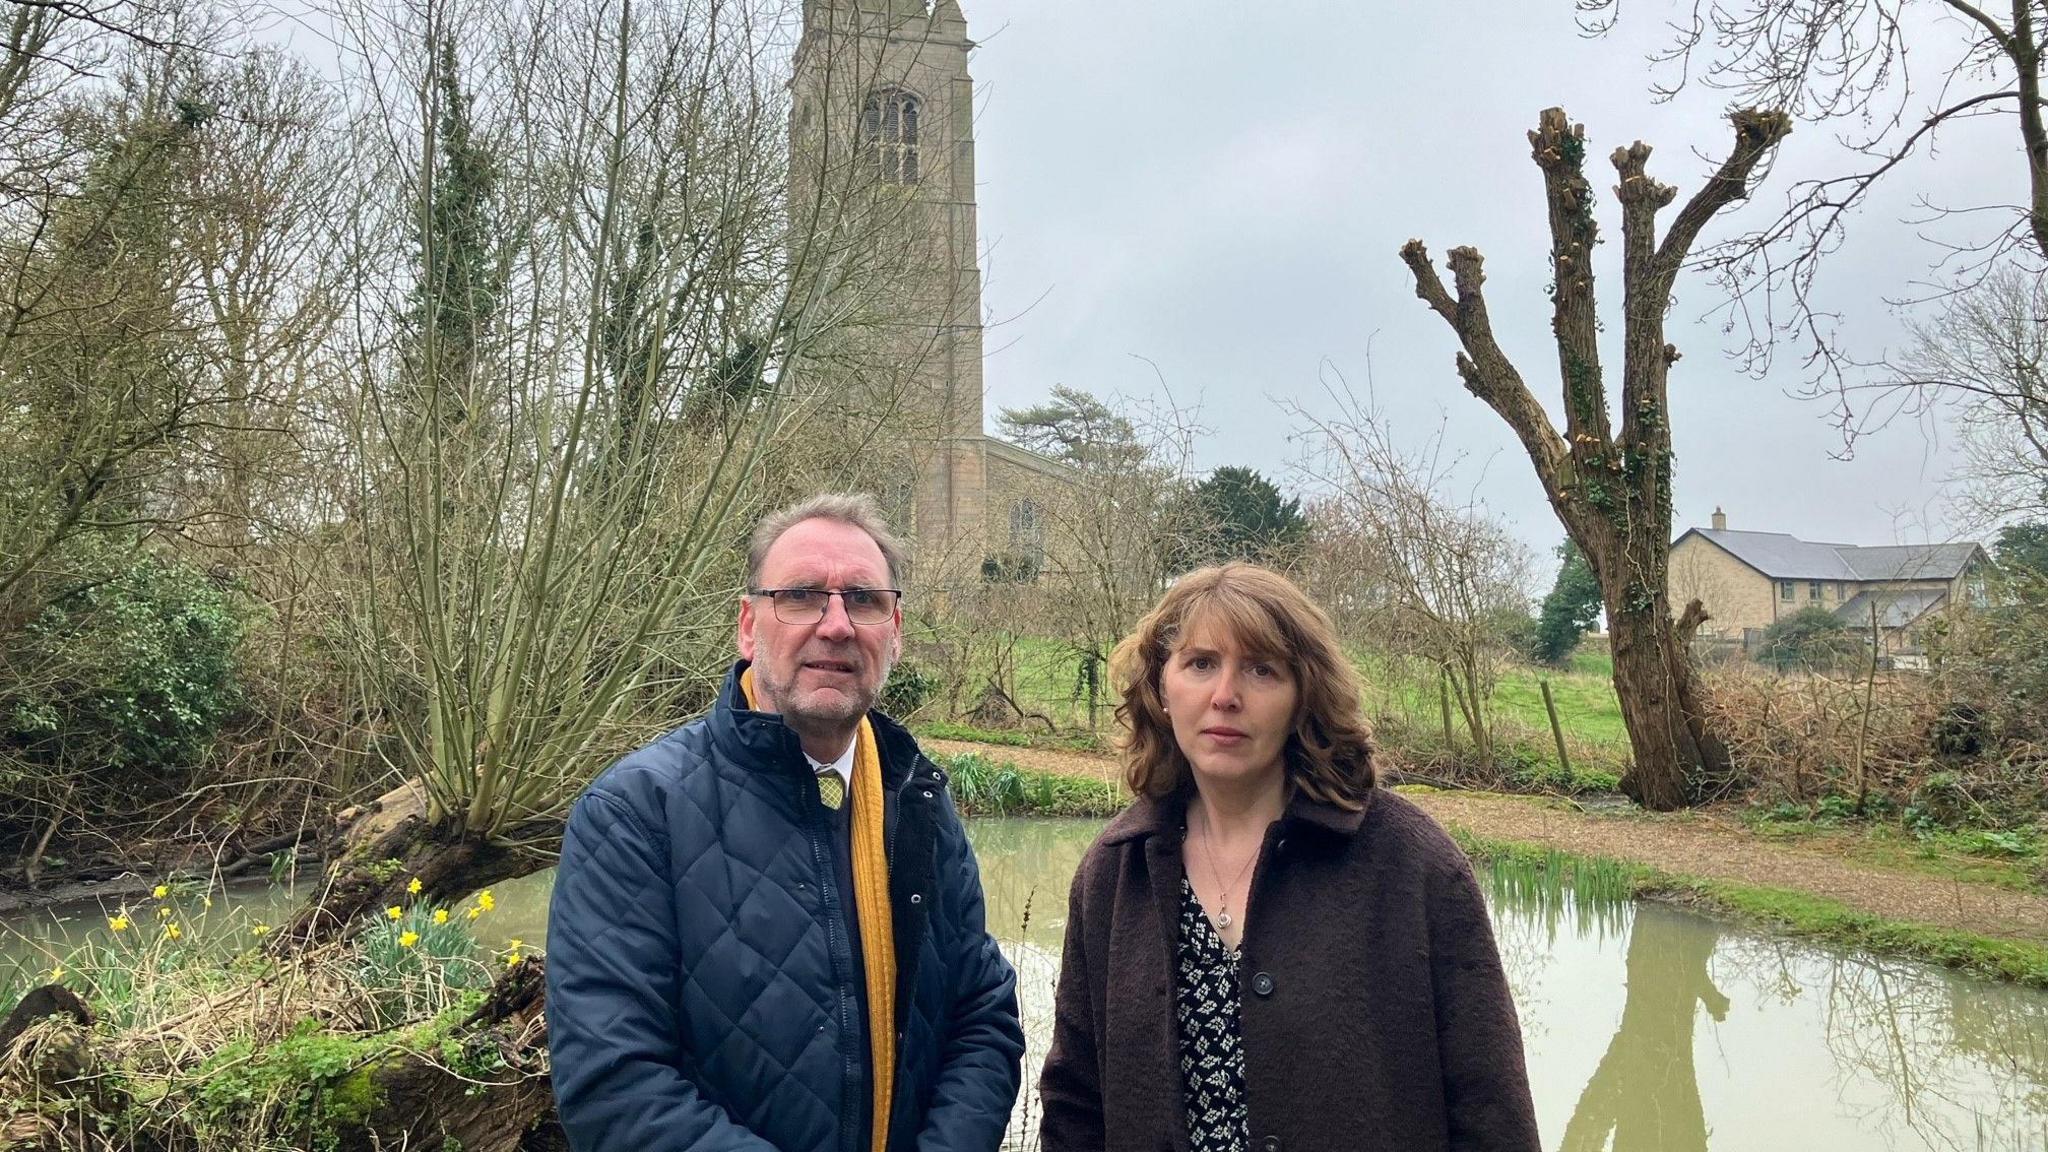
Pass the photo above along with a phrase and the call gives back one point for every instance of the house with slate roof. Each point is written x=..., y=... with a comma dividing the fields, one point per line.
x=1749, y=579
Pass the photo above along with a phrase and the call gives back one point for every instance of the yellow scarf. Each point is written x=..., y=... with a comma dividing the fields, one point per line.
x=871, y=904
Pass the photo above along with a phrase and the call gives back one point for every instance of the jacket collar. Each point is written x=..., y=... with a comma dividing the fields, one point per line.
x=1150, y=816
x=762, y=740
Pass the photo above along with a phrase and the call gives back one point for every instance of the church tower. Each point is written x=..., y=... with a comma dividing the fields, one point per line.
x=882, y=136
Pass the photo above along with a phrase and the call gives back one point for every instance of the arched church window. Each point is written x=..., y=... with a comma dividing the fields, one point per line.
x=1027, y=531
x=889, y=129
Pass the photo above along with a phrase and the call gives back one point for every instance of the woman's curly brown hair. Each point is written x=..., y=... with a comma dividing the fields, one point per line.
x=1329, y=754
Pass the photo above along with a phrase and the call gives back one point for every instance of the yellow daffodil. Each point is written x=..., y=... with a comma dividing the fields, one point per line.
x=56, y=973
x=414, y=886
x=440, y=915
x=171, y=930
x=260, y=930
x=515, y=944
x=475, y=912
x=408, y=938
x=163, y=913
x=118, y=923
x=161, y=891
x=485, y=901
x=511, y=959
x=395, y=912
x=207, y=901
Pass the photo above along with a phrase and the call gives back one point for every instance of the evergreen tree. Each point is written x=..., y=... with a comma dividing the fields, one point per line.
x=1571, y=608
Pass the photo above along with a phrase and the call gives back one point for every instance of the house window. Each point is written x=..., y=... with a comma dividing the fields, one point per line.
x=889, y=129
x=1813, y=590
x=1788, y=589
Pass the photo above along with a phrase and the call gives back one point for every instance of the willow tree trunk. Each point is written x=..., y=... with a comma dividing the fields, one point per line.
x=383, y=848
x=1611, y=489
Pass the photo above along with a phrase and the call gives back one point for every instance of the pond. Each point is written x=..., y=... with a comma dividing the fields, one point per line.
x=1648, y=1028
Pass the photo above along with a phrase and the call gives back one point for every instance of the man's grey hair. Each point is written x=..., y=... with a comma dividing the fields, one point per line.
x=857, y=509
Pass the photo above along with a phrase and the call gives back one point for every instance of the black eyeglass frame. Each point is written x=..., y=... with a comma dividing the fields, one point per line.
x=776, y=605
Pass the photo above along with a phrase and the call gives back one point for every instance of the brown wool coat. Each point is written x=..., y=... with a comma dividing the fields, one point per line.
x=1375, y=1012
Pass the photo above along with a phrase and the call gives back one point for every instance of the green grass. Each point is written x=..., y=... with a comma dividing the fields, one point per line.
x=1081, y=741
x=1784, y=911
x=1587, y=709
x=982, y=786
x=2013, y=860
x=1586, y=705
x=1402, y=702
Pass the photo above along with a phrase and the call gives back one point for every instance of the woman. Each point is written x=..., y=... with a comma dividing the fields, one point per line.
x=1264, y=951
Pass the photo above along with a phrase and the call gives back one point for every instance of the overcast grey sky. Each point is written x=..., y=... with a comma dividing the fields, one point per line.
x=1223, y=188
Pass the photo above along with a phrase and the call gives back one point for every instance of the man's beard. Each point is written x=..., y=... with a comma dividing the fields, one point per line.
x=840, y=709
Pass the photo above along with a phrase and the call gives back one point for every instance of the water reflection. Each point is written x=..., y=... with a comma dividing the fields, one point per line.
x=1645, y=1093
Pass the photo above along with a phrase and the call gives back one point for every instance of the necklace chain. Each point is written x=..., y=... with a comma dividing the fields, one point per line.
x=1209, y=853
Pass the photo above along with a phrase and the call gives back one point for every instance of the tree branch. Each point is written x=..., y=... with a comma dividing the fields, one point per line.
x=1991, y=27
x=1486, y=370
x=1757, y=131
x=1646, y=358
x=1559, y=149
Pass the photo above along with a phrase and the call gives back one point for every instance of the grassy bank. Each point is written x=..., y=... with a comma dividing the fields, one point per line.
x=983, y=786
x=1776, y=910
x=1402, y=703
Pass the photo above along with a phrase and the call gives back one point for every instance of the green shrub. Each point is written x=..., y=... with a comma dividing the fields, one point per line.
x=911, y=686
x=134, y=672
x=1811, y=638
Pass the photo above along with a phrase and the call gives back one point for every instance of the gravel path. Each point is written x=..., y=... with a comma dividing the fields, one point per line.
x=1694, y=844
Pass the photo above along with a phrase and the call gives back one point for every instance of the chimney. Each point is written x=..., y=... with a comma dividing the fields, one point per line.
x=1720, y=519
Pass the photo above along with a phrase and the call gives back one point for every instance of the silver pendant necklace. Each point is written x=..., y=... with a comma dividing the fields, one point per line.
x=1223, y=919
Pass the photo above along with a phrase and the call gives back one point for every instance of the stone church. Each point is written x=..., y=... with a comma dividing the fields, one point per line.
x=883, y=120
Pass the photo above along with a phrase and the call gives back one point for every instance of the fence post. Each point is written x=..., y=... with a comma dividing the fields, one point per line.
x=1443, y=695
x=1564, y=759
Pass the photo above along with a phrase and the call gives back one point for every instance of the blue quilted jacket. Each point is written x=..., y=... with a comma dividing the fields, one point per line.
x=700, y=975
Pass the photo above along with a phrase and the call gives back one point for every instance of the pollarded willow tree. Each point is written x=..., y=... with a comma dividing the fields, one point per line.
x=583, y=294
x=1611, y=488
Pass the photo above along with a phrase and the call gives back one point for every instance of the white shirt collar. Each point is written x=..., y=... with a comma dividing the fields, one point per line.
x=843, y=765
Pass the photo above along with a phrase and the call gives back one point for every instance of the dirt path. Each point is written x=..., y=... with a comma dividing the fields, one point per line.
x=1692, y=844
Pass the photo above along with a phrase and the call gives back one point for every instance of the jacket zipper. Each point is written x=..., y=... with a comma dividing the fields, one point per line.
x=848, y=1070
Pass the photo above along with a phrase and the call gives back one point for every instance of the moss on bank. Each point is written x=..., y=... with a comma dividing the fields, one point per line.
x=1789, y=912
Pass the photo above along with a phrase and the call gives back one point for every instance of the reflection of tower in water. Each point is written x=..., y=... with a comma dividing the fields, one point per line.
x=1645, y=1092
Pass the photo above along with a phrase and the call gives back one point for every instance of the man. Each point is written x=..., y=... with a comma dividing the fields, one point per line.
x=767, y=928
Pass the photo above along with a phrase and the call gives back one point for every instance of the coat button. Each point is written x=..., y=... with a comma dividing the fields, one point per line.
x=1263, y=985
x=915, y=898
x=1270, y=1144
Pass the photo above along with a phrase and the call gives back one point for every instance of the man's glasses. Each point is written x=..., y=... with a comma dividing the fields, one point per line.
x=807, y=605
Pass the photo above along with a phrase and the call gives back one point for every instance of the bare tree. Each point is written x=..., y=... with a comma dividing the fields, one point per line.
x=1427, y=577
x=1109, y=534
x=1986, y=357
x=1611, y=489
x=1972, y=66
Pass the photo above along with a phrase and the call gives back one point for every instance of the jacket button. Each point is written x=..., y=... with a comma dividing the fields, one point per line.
x=916, y=898
x=1263, y=985
x=1270, y=1144
x=927, y=793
